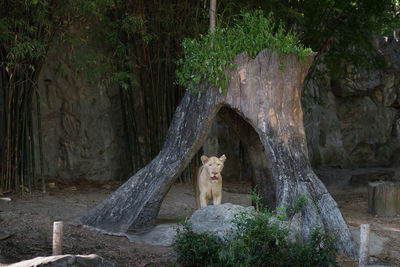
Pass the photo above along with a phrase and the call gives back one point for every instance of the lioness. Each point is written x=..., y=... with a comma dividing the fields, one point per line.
x=207, y=181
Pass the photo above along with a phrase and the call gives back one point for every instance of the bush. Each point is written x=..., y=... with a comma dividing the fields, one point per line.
x=196, y=249
x=260, y=239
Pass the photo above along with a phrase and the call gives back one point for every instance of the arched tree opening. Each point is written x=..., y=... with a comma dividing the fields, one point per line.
x=262, y=181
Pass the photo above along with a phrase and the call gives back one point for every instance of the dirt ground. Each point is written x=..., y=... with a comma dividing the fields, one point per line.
x=26, y=223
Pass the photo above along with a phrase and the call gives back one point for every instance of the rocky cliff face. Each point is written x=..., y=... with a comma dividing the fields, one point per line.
x=357, y=121
x=81, y=125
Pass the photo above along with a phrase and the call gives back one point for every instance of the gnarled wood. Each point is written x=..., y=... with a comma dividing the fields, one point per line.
x=265, y=101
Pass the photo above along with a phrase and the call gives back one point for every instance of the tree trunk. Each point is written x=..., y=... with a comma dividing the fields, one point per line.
x=213, y=8
x=384, y=198
x=262, y=104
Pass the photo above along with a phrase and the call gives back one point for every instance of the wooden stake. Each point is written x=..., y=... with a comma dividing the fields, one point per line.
x=364, y=245
x=57, y=237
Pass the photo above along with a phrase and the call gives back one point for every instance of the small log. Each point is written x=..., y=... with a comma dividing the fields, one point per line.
x=57, y=237
x=364, y=245
x=384, y=198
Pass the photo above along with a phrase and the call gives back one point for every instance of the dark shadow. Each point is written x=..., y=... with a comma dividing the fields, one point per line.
x=262, y=175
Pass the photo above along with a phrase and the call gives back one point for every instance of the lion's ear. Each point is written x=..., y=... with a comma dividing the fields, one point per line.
x=222, y=158
x=204, y=159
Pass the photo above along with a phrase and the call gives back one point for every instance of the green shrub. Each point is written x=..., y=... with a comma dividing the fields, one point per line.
x=260, y=238
x=196, y=249
x=251, y=33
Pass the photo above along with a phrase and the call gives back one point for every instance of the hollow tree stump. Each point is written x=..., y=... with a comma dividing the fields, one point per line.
x=384, y=198
x=263, y=103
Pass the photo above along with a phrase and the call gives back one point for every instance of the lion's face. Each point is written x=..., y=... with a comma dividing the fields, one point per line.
x=213, y=165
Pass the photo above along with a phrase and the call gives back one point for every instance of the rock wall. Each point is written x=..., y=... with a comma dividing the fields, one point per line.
x=357, y=121
x=81, y=124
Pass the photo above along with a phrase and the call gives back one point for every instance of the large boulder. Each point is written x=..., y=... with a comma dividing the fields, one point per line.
x=216, y=218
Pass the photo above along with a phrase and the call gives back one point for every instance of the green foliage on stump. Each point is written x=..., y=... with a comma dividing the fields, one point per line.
x=209, y=57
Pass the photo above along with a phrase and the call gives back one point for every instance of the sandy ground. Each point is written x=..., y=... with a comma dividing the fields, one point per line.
x=26, y=223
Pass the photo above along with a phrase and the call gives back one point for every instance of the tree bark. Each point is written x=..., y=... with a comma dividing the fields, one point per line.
x=263, y=102
x=213, y=8
x=384, y=198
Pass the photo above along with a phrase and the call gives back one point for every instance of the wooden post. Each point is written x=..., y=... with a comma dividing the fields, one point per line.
x=364, y=245
x=57, y=237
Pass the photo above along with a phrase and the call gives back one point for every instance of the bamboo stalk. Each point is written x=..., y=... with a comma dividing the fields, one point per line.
x=39, y=125
x=125, y=123
x=17, y=136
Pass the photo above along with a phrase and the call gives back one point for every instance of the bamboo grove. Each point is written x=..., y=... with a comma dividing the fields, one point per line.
x=136, y=44
x=26, y=32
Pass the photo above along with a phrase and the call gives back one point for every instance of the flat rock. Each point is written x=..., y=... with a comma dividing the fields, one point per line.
x=161, y=235
x=91, y=260
x=376, y=243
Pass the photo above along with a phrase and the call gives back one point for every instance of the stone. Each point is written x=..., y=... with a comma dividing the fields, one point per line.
x=91, y=260
x=161, y=235
x=216, y=218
